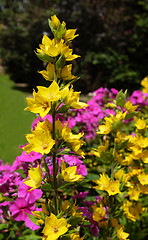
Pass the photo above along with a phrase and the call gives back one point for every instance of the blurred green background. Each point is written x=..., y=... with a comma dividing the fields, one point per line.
x=112, y=43
x=14, y=121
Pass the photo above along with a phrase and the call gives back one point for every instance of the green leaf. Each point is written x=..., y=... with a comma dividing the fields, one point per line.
x=44, y=57
x=64, y=108
x=117, y=126
x=121, y=145
x=121, y=99
x=106, y=156
x=32, y=218
x=60, y=32
x=46, y=187
x=3, y=226
x=92, y=176
x=60, y=62
x=32, y=237
x=74, y=220
x=130, y=115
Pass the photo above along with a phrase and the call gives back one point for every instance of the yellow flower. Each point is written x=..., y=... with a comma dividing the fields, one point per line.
x=121, y=176
x=39, y=141
x=113, y=187
x=72, y=98
x=144, y=156
x=67, y=52
x=140, y=123
x=143, y=178
x=98, y=151
x=134, y=194
x=50, y=47
x=35, y=178
x=99, y=213
x=76, y=236
x=119, y=116
x=69, y=174
x=121, y=235
x=70, y=34
x=74, y=211
x=132, y=211
x=102, y=182
x=55, y=21
x=143, y=189
x=129, y=107
x=74, y=141
x=66, y=73
x=141, y=141
x=38, y=105
x=106, y=128
x=144, y=83
x=40, y=215
x=48, y=74
x=42, y=99
x=54, y=227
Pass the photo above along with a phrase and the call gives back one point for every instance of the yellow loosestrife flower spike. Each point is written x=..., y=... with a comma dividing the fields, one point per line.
x=35, y=178
x=54, y=227
x=69, y=174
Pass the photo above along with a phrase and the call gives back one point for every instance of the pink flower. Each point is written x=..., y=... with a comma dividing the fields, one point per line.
x=19, y=209
x=25, y=158
x=30, y=196
x=75, y=161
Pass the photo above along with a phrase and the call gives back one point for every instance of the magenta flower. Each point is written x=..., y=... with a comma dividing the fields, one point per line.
x=30, y=196
x=75, y=161
x=25, y=158
x=19, y=209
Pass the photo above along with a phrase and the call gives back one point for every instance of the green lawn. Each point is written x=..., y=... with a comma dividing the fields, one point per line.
x=14, y=121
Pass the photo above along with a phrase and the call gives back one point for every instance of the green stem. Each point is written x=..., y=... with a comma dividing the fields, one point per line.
x=54, y=162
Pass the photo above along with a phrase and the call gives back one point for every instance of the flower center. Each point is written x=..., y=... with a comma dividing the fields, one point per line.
x=55, y=229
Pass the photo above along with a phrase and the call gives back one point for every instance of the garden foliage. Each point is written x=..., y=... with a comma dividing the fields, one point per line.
x=55, y=196
x=113, y=40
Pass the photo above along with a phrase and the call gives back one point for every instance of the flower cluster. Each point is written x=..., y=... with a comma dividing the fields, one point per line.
x=49, y=159
x=48, y=188
x=124, y=180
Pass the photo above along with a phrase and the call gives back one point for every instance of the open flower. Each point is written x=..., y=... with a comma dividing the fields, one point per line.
x=120, y=234
x=35, y=178
x=54, y=227
x=69, y=174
